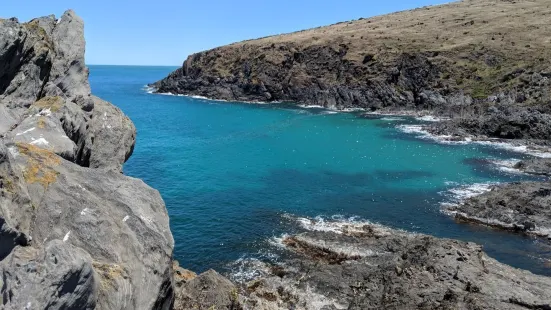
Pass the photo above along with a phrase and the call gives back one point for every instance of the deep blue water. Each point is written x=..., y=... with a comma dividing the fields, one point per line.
x=234, y=175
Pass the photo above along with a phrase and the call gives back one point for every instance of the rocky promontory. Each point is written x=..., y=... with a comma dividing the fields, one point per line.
x=460, y=59
x=522, y=207
x=75, y=233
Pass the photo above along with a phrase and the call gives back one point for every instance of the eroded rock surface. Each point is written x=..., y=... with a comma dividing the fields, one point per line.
x=209, y=290
x=75, y=233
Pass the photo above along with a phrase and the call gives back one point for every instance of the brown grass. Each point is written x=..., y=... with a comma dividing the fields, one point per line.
x=41, y=122
x=438, y=28
x=459, y=38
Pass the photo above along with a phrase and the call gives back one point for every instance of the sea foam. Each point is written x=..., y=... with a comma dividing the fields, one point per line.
x=421, y=132
x=457, y=195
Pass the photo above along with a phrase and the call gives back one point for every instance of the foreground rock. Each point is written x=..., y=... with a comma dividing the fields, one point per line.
x=523, y=207
x=373, y=267
x=74, y=232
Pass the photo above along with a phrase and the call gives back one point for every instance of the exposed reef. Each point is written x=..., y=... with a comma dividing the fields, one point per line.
x=375, y=267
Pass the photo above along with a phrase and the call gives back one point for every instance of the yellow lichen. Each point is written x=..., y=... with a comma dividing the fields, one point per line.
x=40, y=164
x=41, y=122
x=53, y=103
x=109, y=273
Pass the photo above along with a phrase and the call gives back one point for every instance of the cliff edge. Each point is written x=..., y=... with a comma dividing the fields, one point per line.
x=75, y=233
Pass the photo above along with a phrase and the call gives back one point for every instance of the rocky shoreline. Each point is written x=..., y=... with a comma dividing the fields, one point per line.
x=519, y=207
x=374, y=267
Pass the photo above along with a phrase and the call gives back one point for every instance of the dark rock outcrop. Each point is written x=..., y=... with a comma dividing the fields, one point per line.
x=75, y=233
x=503, y=121
x=537, y=166
x=523, y=207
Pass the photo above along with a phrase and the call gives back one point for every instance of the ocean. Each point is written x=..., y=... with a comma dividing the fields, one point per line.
x=236, y=176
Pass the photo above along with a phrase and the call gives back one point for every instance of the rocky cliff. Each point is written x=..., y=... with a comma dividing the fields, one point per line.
x=460, y=59
x=75, y=233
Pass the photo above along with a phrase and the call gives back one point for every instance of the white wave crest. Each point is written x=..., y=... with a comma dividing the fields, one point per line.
x=430, y=118
x=507, y=165
x=337, y=223
x=421, y=133
x=149, y=89
x=392, y=119
x=247, y=269
x=458, y=195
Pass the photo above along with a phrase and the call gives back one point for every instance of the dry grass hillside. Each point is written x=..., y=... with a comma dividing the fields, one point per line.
x=428, y=55
x=518, y=28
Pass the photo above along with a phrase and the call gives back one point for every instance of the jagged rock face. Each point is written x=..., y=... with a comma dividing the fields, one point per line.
x=74, y=232
x=44, y=73
x=316, y=75
x=504, y=122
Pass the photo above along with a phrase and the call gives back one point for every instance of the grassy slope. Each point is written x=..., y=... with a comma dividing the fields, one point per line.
x=474, y=43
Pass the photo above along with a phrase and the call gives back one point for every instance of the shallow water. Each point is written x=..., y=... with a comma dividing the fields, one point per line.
x=235, y=175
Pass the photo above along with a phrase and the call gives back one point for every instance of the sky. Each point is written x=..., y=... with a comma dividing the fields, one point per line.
x=165, y=32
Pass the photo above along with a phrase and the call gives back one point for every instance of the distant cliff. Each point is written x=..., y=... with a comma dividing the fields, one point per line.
x=75, y=233
x=461, y=59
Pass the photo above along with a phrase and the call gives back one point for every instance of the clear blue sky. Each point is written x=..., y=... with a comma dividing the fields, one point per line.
x=164, y=32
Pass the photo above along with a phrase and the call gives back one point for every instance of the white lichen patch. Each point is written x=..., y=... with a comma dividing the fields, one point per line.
x=66, y=236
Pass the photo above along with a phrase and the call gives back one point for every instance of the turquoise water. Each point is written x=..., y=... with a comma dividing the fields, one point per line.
x=235, y=175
